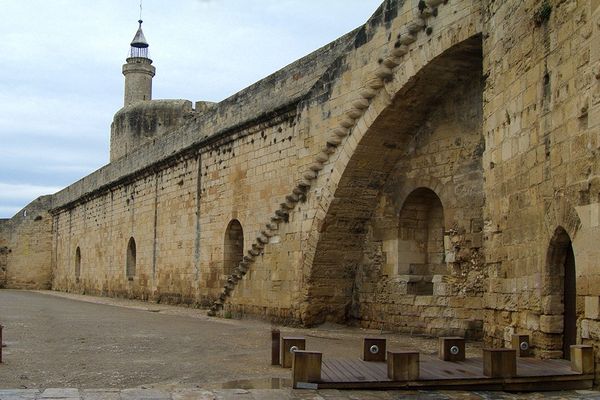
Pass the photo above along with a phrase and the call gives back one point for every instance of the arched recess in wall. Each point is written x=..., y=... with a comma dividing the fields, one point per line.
x=233, y=246
x=374, y=151
x=77, y=264
x=421, y=241
x=560, y=267
x=131, y=259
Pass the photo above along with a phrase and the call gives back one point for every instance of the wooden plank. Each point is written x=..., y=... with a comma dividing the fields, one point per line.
x=403, y=365
x=582, y=359
x=306, y=367
x=341, y=371
x=356, y=373
x=330, y=368
x=463, y=375
x=325, y=374
x=533, y=367
x=364, y=368
x=437, y=369
x=500, y=363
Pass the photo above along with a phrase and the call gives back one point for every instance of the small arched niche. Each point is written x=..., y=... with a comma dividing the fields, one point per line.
x=233, y=246
x=421, y=241
x=130, y=269
x=77, y=264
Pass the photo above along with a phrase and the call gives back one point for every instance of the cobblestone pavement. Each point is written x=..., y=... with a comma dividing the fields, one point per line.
x=275, y=394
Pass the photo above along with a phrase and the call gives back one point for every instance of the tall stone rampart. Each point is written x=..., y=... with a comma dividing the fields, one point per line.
x=541, y=123
x=26, y=247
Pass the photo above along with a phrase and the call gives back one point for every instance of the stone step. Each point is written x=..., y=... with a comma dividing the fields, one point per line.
x=407, y=39
x=383, y=73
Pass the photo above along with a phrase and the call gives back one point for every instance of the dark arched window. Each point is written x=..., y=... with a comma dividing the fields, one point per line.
x=77, y=264
x=131, y=259
x=561, y=269
x=233, y=246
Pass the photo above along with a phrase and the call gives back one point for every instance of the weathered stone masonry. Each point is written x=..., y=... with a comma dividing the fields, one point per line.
x=434, y=171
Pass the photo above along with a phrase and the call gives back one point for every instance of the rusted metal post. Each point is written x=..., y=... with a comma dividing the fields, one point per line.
x=275, y=346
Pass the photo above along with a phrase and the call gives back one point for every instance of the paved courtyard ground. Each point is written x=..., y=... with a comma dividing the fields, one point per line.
x=120, y=349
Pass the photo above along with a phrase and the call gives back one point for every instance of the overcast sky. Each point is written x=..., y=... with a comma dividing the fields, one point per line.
x=60, y=70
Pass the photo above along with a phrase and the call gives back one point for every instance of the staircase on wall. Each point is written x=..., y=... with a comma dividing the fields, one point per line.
x=426, y=9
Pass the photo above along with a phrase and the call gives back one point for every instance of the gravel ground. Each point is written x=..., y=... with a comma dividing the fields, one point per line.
x=106, y=349
x=62, y=340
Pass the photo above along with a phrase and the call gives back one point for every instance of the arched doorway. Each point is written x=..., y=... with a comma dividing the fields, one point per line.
x=77, y=264
x=233, y=246
x=421, y=240
x=131, y=259
x=561, y=270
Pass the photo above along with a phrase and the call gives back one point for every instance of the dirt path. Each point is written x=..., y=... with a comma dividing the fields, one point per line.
x=62, y=340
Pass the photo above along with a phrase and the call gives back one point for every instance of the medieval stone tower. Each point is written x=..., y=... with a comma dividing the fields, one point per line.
x=142, y=120
x=138, y=70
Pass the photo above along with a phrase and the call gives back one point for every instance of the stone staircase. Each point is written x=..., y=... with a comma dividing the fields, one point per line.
x=426, y=9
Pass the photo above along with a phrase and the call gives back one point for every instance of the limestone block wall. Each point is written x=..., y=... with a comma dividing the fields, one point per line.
x=423, y=268
x=176, y=194
x=153, y=223
x=178, y=213
x=26, y=247
x=342, y=197
x=157, y=211
x=245, y=181
x=244, y=172
x=541, y=124
x=287, y=254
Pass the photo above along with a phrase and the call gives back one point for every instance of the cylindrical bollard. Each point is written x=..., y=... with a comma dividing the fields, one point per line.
x=275, y=346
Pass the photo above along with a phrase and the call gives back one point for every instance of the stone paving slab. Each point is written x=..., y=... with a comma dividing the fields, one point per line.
x=279, y=394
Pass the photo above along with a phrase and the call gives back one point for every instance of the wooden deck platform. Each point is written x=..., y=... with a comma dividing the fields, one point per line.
x=533, y=375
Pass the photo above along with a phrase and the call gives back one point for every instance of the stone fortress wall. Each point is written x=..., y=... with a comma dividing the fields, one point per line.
x=26, y=247
x=434, y=171
x=541, y=124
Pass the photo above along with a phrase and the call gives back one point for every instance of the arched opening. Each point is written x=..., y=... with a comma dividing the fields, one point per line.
x=421, y=241
x=233, y=246
x=77, y=264
x=421, y=133
x=131, y=259
x=561, y=270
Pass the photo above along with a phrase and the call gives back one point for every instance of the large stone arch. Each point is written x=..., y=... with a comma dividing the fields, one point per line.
x=364, y=161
